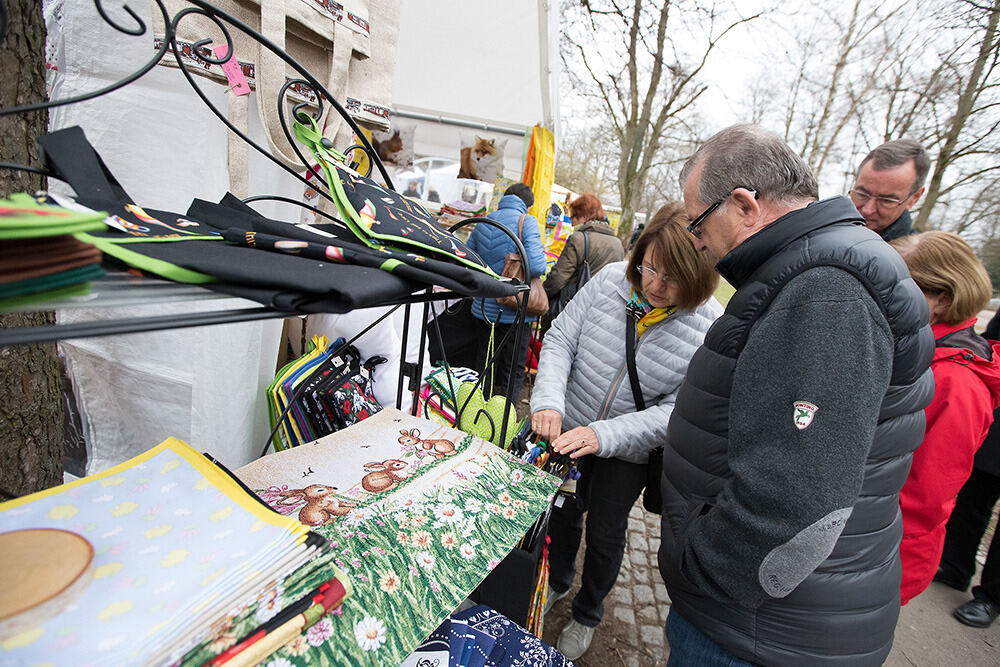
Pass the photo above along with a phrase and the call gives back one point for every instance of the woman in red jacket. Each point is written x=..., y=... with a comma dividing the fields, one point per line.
x=967, y=389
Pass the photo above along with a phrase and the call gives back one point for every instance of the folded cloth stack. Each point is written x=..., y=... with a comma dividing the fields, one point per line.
x=40, y=258
x=482, y=637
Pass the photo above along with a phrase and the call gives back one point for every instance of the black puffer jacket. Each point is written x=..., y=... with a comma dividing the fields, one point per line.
x=790, y=440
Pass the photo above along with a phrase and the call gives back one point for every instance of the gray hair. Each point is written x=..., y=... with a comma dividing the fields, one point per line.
x=750, y=157
x=896, y=153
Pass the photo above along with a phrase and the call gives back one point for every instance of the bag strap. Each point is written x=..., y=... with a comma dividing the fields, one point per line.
x=633, y=374
x=520, y=229
x=586, y=248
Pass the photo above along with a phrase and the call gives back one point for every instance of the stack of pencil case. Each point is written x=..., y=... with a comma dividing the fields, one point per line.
x=325, y=390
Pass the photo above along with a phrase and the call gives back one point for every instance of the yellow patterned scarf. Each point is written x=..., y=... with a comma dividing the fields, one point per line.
x=646, y=316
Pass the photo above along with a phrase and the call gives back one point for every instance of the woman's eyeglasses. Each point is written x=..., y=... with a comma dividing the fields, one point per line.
x=650, y=272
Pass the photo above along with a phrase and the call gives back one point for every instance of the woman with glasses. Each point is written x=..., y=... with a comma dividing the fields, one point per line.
x=966, y=371
x=583, y=402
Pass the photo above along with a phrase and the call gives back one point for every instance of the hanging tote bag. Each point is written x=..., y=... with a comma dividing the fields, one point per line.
x=538, y=301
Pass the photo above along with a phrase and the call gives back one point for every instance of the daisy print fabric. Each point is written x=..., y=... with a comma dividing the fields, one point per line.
x=417, y=515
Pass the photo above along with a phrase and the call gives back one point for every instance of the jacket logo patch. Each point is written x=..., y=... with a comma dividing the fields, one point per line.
x=803, y=413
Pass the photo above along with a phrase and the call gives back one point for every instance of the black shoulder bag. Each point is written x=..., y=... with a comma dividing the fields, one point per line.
x=569, y=290
x=652, y=497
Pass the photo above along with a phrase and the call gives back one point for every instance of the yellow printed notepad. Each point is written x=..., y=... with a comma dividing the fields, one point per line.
x=177, y=545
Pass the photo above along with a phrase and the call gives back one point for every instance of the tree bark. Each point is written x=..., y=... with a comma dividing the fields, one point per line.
x=31, y=421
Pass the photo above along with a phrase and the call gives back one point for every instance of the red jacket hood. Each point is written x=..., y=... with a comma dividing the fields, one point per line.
x=988, y=370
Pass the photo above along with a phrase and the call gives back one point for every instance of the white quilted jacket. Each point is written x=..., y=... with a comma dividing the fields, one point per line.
x=582, y=372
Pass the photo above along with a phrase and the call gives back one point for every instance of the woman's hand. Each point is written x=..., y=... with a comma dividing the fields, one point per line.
x=577, y=442
x=547, y=424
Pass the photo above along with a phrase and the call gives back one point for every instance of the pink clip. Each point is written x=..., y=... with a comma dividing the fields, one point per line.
x=234, y=73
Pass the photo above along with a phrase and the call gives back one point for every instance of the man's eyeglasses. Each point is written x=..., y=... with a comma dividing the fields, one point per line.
x=860, y=198
x=697, y=222
x=650, y=272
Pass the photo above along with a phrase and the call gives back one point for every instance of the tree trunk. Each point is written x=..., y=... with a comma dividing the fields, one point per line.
x=973, y=86
x=31, y=421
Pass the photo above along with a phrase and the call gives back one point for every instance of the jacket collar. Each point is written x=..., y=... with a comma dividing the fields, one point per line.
x=514, y=202
x=595, y=226
x=743, y=260
x=986, y=368
x=903, y=226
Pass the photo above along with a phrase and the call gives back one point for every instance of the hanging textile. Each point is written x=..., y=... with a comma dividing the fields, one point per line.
x=540, y=172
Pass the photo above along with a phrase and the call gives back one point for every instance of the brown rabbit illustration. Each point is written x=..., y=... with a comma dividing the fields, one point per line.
x=384, y=475
x=438, y=448
x=321, y=503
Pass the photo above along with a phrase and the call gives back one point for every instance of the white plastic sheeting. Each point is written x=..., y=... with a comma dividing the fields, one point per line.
x=203, y=385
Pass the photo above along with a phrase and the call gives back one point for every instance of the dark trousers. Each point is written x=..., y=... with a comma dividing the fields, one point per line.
x=688, y=646
x=965, y=530
x=457, y=340
x=508, y=358
x=606, y=491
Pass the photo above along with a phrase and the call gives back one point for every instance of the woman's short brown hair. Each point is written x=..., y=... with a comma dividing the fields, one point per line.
x=943, y=262
x=666, y=234
x=586, y=207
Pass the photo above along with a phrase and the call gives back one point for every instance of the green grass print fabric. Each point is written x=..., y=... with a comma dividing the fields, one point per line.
x=412, y=550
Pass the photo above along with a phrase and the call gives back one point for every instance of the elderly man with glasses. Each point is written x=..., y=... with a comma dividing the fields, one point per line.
x=793, y=431
x=890, y=181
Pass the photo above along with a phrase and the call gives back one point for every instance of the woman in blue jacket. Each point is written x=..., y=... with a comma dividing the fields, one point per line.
x=493, y=245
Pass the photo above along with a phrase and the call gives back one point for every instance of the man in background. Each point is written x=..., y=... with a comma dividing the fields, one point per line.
x=890, y=181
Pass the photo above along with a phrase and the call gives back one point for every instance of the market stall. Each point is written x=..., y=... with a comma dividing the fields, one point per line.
x=404, y=518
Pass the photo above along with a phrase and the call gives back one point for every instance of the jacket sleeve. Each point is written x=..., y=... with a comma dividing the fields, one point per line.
x=565, y=266
x=559, y=350
x=796, y=470
x=634, y=433
x=532, y=240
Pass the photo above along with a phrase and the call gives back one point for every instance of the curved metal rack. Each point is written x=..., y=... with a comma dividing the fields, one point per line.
x=122, y=289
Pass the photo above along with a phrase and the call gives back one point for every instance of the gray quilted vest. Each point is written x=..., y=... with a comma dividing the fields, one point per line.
x=846, y=610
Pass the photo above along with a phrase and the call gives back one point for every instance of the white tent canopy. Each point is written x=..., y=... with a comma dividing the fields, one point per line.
x=481, y=68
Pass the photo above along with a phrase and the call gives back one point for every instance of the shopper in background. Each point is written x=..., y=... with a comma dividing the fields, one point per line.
x=412, y=190
x=635, y=236
x=967, y=390
x=588, y=218
x=582, y=402
x=493, y=245
x=967, y=524
x=889, y=183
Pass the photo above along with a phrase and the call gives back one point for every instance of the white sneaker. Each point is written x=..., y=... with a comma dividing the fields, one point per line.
x=574, y=640
x=551, y=597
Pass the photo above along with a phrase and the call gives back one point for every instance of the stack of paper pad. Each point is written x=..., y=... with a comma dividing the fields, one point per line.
x=39, y=256
x=180, y=548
